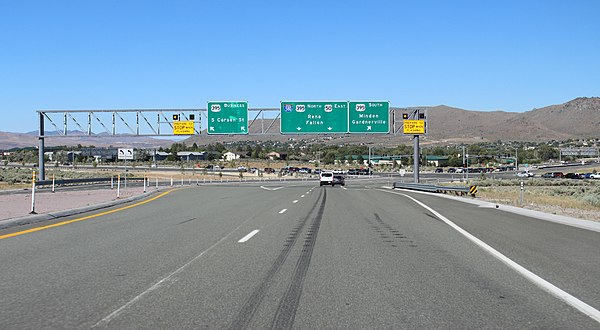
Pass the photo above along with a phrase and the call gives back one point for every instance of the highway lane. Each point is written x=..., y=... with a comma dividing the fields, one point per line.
x=564, y=255
x=323, y=257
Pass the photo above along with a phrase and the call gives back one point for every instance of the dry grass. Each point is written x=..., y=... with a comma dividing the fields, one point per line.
x=561, y=200
x=535, y=195
x=10, y=186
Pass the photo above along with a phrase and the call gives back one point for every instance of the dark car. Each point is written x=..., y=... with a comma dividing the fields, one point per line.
x=439, y=170
x=338, y=179
x=269, y=170
x=553, y=175
x=573, y=176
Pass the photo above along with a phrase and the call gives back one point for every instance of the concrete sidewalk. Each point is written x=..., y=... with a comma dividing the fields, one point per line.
x=14, y=206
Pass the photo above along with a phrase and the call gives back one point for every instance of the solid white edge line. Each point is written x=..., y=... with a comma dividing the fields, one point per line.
x=540, y=282
x=249, y=236
x=282, y=211
x=165, y=280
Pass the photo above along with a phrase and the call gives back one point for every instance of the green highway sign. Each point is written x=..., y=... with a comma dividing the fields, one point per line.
x=227, y=117
x=304, y=117
x=369, y=117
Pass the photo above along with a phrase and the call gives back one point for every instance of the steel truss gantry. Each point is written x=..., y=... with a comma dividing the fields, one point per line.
x=152, y=123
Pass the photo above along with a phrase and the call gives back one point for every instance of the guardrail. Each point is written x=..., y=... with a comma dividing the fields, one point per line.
x=458, y=190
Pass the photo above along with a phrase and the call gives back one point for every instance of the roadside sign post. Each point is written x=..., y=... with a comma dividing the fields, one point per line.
x=118, y=185
x=369, y=117
x=414, y=124
x=313, y=117
x=227, y=117
x=125, y=154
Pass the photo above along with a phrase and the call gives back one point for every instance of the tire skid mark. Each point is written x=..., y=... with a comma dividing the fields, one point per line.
x=251, y=305
x=387, y=233
x=288, y=305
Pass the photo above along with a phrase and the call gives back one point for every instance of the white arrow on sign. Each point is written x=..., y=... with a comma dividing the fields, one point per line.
x=212, y=128
x=242, y=128
x=330, y=128
x=298, y=128
x=368, y=128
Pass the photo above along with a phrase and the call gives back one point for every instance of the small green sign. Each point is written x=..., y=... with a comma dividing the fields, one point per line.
x=369, y=116
x=227, y=118
x=304, y=117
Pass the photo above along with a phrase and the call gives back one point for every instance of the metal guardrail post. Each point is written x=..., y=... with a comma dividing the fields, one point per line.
x=522, y=191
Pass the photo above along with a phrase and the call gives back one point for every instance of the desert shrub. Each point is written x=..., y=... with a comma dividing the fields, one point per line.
x=592, y=199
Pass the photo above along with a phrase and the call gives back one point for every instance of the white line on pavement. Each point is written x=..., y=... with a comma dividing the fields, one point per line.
x=282, y=211
x=249, y=236
x=296, y=201
x=540, y=282
x=163, y=282
x=302, y=196
x=270, y=189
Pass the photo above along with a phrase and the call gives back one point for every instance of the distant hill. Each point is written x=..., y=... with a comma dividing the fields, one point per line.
x=26, y=140
x=576, y=119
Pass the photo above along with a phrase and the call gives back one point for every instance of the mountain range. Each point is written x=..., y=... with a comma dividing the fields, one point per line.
x=575, y=119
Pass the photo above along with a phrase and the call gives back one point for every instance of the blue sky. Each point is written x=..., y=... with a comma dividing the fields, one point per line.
x=477, y=55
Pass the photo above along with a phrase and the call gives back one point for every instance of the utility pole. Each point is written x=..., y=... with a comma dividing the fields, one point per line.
x=42, y=171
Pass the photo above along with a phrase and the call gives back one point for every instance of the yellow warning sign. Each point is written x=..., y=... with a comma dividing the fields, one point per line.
x=473, y=190
x=183, y=127
x=414, y=127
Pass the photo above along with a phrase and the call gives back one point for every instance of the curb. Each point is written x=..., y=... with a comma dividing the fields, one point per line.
x=32, y=219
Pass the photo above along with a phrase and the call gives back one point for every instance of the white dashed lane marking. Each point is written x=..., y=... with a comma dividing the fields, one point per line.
x=249, y=236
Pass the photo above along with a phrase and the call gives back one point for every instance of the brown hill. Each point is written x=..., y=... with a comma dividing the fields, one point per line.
x=579, y=118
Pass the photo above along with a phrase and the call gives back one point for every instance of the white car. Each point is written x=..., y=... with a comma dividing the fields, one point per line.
x=595, y=176
x=524, y=175
x=326, y=178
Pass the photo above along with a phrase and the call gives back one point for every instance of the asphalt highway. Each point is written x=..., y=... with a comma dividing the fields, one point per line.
x=284, y=255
